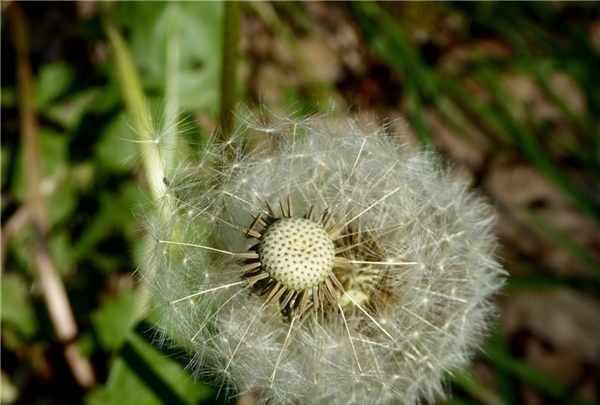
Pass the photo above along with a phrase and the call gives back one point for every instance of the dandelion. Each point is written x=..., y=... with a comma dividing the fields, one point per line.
x=330, y=265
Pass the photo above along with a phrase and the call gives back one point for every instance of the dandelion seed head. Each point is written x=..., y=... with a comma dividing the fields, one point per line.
x=333, y=266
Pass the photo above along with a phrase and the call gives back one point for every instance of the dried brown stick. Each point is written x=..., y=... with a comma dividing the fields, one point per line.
x=55, y=294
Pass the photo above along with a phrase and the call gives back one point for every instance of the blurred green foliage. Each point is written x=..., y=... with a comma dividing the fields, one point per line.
x=94, y=185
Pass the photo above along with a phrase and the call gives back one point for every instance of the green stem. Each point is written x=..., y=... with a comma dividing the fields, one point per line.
x=155, y=155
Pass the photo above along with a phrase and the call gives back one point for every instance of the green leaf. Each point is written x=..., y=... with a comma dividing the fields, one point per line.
x=565, y=242
x=142, y=374
x=116, y=149
x=69, y=112
x=503, y=361
x=5, y=159
x=199, y=25
x=52, y=82
x=531, y=147
x=8, y=97
x=113, y=218
x=115, y=319
x=470, y=383
x=17, y=309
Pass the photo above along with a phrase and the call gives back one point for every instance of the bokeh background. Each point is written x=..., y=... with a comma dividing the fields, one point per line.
x=508, y=93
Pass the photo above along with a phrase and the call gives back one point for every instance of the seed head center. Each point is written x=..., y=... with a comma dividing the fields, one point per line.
x=297, y=252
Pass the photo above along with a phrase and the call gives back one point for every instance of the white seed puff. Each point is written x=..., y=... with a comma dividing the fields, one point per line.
x=331, y=266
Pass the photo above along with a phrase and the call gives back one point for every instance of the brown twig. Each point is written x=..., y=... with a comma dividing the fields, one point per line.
x=55, y=294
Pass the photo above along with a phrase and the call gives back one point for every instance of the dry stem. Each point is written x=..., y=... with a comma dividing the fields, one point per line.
x=55, y=294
